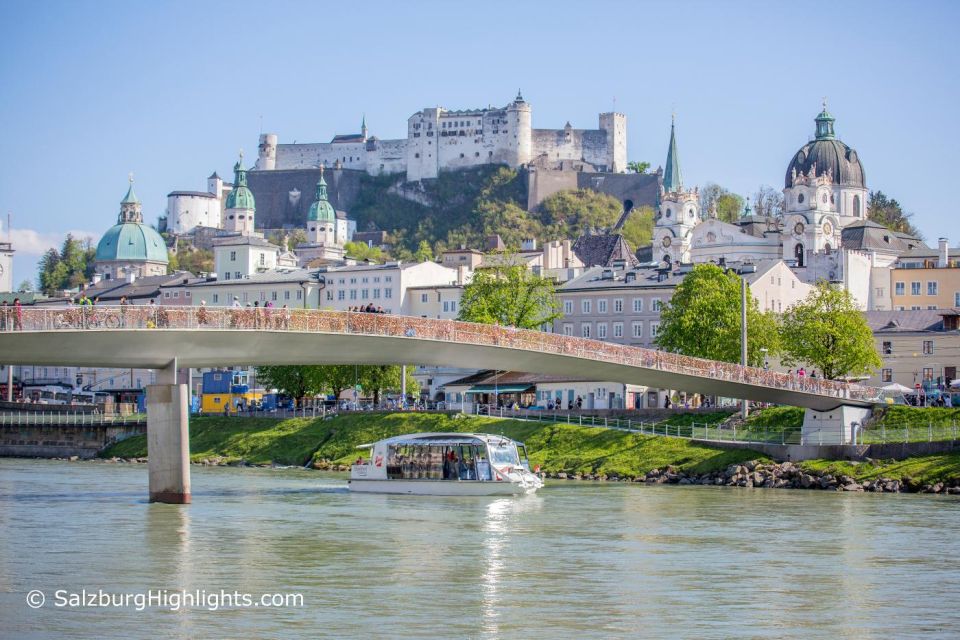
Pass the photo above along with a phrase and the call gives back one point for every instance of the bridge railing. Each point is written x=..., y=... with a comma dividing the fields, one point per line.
x=163, y=317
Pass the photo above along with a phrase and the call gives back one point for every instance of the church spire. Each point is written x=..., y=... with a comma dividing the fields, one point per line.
x=363, y=127
x=130, y=207
x=672, y=179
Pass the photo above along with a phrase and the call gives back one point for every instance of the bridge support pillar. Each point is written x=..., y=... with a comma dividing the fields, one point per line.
x=168, y=439
x=836, y=426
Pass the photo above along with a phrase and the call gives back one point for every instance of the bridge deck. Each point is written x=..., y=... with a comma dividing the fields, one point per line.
x=152, y=337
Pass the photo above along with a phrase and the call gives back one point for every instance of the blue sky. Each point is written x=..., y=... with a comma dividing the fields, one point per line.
x=172, y=90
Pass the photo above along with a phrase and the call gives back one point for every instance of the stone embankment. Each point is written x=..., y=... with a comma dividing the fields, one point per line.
x=772, y=475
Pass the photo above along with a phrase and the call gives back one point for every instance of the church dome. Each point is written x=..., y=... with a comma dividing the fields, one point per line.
x=240, y=197
x=321, y=210
x=831, y=157
x=133, y=241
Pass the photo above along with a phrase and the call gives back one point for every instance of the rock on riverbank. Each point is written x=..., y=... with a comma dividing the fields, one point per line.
x=772, y=475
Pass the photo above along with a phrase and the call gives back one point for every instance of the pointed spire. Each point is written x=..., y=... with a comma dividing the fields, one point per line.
x=321, y=186
x=672, y=178
x=363, y=126
x=519, y=97
x=239, y=173
x=131, y=197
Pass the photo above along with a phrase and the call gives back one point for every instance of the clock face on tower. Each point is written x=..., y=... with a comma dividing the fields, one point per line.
x=827, y=228
x=666, y=241
x=798, y=229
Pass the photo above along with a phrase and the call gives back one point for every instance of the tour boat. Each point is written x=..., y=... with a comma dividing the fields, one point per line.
x=445, y=464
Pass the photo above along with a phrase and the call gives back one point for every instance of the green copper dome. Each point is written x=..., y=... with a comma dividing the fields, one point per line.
x=133, y=241
x=321, y=210
x=240, y=197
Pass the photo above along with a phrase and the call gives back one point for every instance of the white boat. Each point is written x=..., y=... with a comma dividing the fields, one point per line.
x=445, y=464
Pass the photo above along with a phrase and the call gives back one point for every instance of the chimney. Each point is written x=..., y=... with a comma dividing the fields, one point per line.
x=97, y=278
x=131, y=276
x=530, y=244
x=944, y=254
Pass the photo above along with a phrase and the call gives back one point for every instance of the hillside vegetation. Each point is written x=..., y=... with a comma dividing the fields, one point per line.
x=463, y=207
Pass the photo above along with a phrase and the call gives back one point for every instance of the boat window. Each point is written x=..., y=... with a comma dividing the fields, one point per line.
x=504, y=453
x=524, y=461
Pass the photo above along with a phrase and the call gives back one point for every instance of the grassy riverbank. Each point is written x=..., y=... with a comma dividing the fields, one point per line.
x=556, y=447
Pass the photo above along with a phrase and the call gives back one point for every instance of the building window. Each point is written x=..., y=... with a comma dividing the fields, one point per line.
x=637, y=329
x=568, y=307
x=341, y=294
x=586, y=306
x=166, y=294
x=263, y=259
x=602, y=331
x=928, y=347
x=216, y=298
x=376, y=294
x=388, y=293
x=233, y=256
x=655, y=305
x=568, y=329
x=286, y=295
x=329, y=294
x=353, y=294
x=914, y=288
x=601, y=306
x=956, y=299
x=618, y=305
x=887, y=348
x=299, y=294
x=654, y=329
x=273, y=296
x=928, y=374
x=886, y=375
x=237, y=275
x=585, y=329
x=856, y=206
x=365, y=293
x=932, y=288
x=900, y=288
x=638, y=305
x=423, y=297
x=880, y=292
x=617, y=329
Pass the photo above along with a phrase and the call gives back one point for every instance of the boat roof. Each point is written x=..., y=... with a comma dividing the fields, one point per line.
x=441, y=439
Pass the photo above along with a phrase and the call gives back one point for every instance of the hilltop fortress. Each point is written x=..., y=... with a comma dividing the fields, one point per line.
x=441, y=140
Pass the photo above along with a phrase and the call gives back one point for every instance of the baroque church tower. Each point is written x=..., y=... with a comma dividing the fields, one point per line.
x=240, y=207
x=678, y=211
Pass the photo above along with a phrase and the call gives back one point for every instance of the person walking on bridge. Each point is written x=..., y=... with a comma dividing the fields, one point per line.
x=17, y=315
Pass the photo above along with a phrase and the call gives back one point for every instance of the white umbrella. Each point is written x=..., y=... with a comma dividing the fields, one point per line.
x=897, y=388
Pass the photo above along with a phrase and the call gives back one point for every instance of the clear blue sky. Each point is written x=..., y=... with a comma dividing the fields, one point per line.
x=171, y=90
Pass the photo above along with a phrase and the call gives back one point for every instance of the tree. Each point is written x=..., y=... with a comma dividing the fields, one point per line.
x=424, y=252
x=702, y=319
x=336, y=378
x=509, y=294
x=361, y=251
x=379, y=379
x=638, y=229
x=638, y=167
x=767, y=201
x=570, y=213
x=297, y=381
x=889, y=213
x=827, y=331
x=726, y=205
x=68, y=268
x=292, y=238
x=25, y=287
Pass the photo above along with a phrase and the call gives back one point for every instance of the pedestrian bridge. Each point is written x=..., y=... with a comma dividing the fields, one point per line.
x=154, y=337
x=166, y=338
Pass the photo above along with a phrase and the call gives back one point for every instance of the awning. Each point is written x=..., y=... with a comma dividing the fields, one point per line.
x=500, y=388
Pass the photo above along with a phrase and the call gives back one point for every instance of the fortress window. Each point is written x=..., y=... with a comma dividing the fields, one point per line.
x=461, y=155
x=477, y=154
x=416, y=155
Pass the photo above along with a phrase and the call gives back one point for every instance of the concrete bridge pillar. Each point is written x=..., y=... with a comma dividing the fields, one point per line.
x=836, y=426
x=168, y=438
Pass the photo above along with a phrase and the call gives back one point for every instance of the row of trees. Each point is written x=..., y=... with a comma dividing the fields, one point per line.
x=306, y=381
x=826, y=331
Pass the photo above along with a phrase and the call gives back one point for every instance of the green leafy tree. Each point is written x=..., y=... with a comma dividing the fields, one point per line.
x=297, y=381
x=638, y=167
x=716, y=199
x=509, y=294
x=380, y=379
x=702, y=319
x=889, y=213
x=570, y=213
x=68, y=268
x=293, y=237
x=424, y=252
x=362, y=251
x=638, y=229
x=827, y=331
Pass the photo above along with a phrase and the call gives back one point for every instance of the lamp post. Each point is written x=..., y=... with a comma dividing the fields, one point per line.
x=743, y=337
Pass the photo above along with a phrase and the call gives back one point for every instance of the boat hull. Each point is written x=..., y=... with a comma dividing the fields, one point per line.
x=440, y=487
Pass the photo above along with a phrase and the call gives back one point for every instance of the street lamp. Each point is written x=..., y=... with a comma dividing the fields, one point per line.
x=766, y=363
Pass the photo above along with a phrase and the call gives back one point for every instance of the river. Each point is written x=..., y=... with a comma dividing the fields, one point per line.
x=578, y=560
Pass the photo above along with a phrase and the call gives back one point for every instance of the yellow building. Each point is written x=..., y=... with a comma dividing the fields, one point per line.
x=917, y=347
x=214, y=403
x=925, y=279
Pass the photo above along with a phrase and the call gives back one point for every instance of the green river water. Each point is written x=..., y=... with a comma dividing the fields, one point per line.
x=577, y=560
